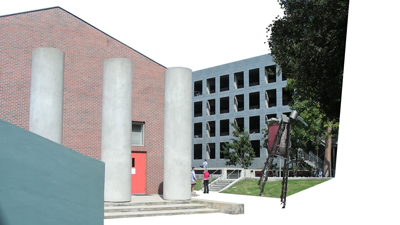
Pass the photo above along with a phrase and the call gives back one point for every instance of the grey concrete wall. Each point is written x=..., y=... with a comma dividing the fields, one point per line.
x=177, y=133
x=117, y=128
x=230, y=69
x=47, y=91
x=43, y=182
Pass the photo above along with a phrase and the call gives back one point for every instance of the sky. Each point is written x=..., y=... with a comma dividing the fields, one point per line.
x=203, y=34
x=176, y=33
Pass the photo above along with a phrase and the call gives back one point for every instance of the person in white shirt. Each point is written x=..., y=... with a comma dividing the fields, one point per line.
x=194, y=179
x=205, y=164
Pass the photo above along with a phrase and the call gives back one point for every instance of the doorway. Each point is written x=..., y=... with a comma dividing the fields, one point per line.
x=138, y=173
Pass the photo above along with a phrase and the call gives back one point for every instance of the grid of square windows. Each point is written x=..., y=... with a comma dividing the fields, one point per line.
x=255, y=89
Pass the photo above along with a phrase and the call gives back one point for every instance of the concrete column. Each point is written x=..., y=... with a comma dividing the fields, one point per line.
x=116, y=128
x=47, y=89
x=177, y=134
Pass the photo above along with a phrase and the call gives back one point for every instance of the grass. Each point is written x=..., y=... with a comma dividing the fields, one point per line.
x=272, y=189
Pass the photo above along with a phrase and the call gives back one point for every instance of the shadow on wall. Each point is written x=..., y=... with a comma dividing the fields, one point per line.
x=160, y=188
x=43, y=182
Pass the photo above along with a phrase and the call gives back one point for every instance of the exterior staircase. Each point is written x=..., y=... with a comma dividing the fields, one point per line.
x=311, y=159
x=220, y=184
x=159, y=208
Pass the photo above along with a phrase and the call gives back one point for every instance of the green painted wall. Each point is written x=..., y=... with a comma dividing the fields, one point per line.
x=42, y=182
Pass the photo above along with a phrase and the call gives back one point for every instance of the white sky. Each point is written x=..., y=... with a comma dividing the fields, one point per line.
x=192, y=34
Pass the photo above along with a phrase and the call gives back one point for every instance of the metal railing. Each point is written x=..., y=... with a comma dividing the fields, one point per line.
x=221, y=178
x=227, y=177
x=315, y=159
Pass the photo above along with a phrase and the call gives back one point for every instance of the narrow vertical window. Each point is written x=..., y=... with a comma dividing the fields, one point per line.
x=137, y=136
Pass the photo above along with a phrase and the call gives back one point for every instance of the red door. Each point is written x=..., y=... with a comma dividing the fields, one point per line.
x=138, y=173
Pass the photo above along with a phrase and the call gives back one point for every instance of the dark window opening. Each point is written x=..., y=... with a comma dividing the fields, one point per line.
x=270, y=74
x=211, y=128
x=239, y=103
x=239, y=80
x=286, y=96
x=224, y=127
x=270, y=98
x=198, y=130
x=133, y=162
x=254, y=124
x=197, y=151
x=256, y=147
x=211, y=150
x=198, y=88
x=211, y=85
x=254, y=100
x=221, y=149
x=254, y=77
x=224, y=105
x=198, y=109
x=224, y=83
x=269, y=116
x=211, y=107
x=240, y=123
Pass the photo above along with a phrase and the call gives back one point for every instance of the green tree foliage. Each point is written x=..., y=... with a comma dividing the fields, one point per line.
x=239, y=150
x=308, y=43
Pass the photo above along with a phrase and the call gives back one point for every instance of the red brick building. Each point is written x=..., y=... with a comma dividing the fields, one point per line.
x=85, y=49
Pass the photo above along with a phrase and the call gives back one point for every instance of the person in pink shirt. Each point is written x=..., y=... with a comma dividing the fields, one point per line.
x=205, y=181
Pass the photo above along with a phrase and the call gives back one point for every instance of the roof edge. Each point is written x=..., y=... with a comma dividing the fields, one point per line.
x=58, y=7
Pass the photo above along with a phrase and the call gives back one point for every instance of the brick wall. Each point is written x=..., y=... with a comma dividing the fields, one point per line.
x=85, y=49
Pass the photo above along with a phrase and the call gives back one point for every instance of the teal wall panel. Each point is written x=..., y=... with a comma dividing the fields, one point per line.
x=42, y=182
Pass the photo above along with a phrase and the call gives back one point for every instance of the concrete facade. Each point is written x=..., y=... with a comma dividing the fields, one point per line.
x=116, y=129
x=248, y=96
x=85, y=48
x=47, y=89
x=177, y=134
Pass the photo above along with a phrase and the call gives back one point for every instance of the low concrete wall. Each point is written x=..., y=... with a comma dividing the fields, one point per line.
x=224, y=207
x=43, y=182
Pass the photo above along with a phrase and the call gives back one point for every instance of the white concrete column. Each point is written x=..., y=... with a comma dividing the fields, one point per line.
x=47, y=89
x=177, y=134
x=116, y=128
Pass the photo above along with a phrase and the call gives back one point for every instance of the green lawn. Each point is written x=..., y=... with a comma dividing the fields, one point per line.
x=271, y=189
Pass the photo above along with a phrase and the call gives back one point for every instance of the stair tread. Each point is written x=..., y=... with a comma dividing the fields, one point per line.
x=153, y=206
x=158, y=213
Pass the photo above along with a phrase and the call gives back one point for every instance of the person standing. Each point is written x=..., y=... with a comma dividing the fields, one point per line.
x=205, y=164
x=205, y=181
x=194, y=179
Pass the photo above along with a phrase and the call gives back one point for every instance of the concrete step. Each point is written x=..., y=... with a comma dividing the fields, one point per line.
x=158, y=213
x=142, y=208
x=161, y=208
x=106, y=204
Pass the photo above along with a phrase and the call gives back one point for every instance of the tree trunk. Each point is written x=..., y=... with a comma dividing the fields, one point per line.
x=328, y=150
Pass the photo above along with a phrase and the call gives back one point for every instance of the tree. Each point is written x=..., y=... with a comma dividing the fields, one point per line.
x=308, y=44
x=239, y=151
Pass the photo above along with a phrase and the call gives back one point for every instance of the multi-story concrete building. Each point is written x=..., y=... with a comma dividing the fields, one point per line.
x=247, y=93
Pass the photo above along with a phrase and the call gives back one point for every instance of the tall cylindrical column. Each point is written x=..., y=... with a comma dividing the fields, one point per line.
x=177, y=133
x=116, y=128
x=47, y=89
